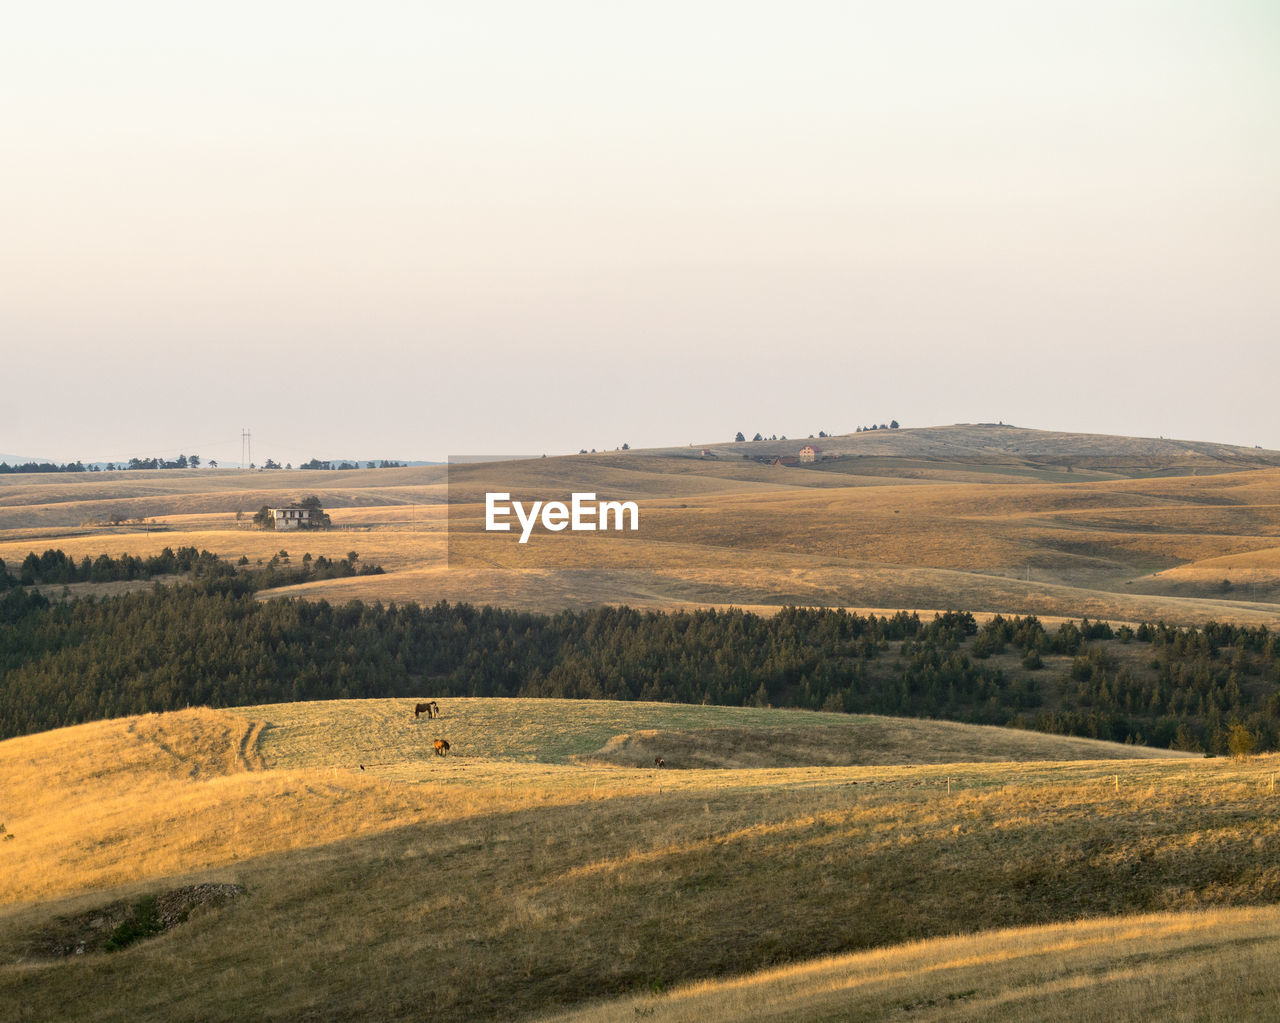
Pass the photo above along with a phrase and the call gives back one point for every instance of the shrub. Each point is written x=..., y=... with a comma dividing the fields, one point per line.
x=142, y=922
x=1240, y=742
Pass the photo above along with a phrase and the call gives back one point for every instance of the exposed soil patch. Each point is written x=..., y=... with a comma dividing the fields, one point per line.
x=119, y=924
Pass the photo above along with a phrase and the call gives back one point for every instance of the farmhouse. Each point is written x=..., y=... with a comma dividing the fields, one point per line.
x=809, y=453
x=293, y=517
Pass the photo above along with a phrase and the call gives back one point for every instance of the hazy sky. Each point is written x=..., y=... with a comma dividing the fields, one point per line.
x=405, y=230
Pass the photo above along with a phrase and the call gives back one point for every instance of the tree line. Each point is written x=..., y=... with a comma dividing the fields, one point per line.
x=5, y=467
x=210, y=641
x=182, y=462
x=383, y=463
x=56, y=567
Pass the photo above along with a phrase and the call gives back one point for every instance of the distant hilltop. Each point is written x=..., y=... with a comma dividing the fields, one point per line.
x=992, y=444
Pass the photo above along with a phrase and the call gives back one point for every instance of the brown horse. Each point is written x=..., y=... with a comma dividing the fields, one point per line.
x=432, y=709
x=442, y=747
x=659, y=762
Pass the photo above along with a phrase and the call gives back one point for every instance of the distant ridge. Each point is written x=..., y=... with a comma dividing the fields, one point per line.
x=996, y=443
x=122, y=463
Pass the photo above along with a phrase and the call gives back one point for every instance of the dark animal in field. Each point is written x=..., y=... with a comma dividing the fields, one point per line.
x=442, y=747
x=659, y=762
x=432, y=709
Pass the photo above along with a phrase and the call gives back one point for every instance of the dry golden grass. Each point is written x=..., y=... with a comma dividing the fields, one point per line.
x=107, y=803
x=536, y=868
x=721, y=533
x=62, y=500
x=89, y=801
x=846, y=740
x=384, y=735
x=1083, y=545
x=1205, y=966
x=506, y=880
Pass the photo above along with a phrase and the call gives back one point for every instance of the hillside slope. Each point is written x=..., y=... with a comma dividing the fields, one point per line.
x=998, y=445
x=988, y=518
x=531, y=885
x=1167, y=966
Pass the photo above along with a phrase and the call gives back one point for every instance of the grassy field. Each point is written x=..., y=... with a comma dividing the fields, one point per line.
x=984, y=518
x=783, y=864
x=1202, y=966
x=531, y=871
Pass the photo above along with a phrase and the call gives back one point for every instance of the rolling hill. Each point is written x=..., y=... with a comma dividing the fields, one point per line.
x=321, y=861
x=1168, y=966
x=512, y=878
x=989, y=518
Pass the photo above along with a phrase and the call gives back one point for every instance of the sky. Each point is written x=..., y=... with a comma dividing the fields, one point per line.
x=410, y=230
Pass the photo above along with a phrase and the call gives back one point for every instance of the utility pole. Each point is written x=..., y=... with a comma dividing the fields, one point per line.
x=246, y=446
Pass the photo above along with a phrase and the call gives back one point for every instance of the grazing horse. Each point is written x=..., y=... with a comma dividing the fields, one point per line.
x=442, y=747
x=659, y=762
x=432, y=709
